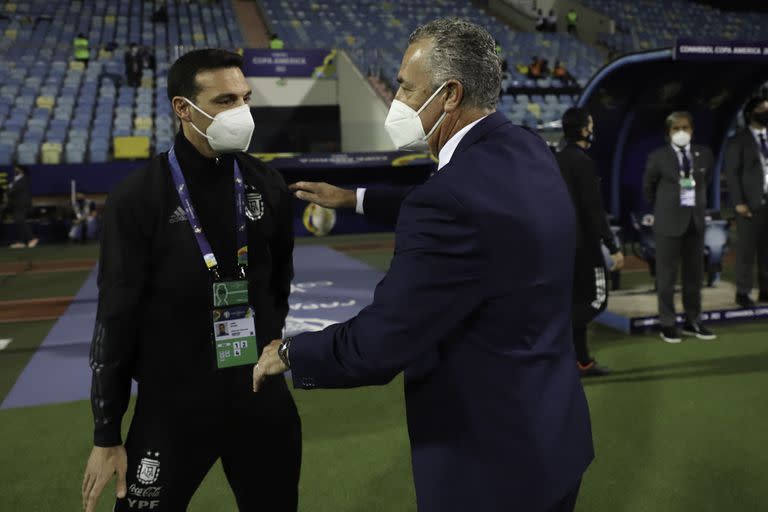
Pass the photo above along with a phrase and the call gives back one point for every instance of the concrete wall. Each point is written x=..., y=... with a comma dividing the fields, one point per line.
x=293, y=92
x=363, y=111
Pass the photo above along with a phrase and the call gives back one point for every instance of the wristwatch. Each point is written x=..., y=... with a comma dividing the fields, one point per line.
x=282, y=351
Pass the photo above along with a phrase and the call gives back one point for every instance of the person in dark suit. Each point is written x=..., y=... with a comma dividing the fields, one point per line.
x=476, y=306
x=746, y=170
x=20, y=204
x=675, y=183
x=590, y=289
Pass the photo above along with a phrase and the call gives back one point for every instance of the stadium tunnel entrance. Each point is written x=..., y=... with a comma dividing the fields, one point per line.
x=630, y=98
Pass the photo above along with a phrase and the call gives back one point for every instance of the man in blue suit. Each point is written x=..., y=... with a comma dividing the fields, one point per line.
x=476, y=306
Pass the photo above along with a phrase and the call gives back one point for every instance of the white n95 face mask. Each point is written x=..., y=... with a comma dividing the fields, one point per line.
x=681, y=138
x=230, y=131
x=404, y=125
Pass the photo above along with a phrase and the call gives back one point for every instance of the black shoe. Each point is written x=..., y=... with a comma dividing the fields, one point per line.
x=592, y=369
x=671, y=334
x=743, y=300
x=698, y=330
x=763, y=297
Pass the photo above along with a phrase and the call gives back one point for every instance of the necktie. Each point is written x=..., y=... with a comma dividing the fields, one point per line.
x=686, y=162
x=763, y=146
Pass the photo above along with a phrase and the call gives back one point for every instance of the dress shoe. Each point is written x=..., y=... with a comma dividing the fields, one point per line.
x=698, y=330
x=744, y=301
x=592, y=369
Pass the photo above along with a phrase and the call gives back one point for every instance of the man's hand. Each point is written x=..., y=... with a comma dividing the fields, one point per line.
x=618, y=261
x=269, y=364
x=102, y=464
x=743, y=210
x=324, y=195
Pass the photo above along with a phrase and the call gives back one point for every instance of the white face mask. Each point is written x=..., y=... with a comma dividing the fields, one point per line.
x=230, y=131
x=681, y=138
x=404, y=125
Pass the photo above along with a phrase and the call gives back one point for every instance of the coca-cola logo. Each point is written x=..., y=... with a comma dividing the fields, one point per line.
x=145, y=492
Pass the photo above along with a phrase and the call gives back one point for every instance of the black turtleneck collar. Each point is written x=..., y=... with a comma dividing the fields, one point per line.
x=194, y=164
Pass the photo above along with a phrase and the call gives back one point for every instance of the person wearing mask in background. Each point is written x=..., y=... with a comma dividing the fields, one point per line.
x=675, y=183
x=275, y=43
x=541, y=22
x=133, y=65
x=475, y=307
x=590, y=288
x=552, y=21
x=20, y=204
x=200, y=235
x=82, y=52
x=746, y=170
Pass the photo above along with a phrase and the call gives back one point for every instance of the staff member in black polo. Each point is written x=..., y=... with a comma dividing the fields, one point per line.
x=202, y=234
x=20, y=203
x=746, y=169
x=675, y=183
x=590, y=290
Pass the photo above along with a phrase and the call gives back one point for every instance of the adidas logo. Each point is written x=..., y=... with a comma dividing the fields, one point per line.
x=178, y=216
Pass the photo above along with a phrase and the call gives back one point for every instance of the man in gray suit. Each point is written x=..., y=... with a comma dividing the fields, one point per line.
x=746, y=168
x=675, y=183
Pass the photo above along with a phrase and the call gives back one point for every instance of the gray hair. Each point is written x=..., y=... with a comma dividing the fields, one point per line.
x=676, y=116
x=465, y=52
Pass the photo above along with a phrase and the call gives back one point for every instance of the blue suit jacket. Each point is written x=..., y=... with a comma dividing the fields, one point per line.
x=476, y=309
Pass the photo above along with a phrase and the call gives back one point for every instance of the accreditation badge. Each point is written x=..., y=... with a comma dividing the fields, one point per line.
x=234, y=330
x=687, y=192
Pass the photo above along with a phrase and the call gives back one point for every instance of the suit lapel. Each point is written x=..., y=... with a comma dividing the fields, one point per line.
x=487, y=125
x=673, y=161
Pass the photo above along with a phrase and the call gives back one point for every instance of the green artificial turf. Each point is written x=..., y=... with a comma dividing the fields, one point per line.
x=677, y=428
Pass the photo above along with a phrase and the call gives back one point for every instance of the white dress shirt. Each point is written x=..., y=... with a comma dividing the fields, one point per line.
x=446, y=153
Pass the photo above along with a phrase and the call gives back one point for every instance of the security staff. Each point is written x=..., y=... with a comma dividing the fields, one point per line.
x=675, y=183
x=81, y=49
x=590, y=290
x=202, y=234
x=746, y=168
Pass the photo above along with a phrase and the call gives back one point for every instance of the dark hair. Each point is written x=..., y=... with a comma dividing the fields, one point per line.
x=182, y=77
x=750, y=107
x=574, y=120
x=81, y=36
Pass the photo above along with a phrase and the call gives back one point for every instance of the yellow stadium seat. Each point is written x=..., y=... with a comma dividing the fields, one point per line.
x=143, y=123
x=131, y=147
x=51, y=153
x=75, y=64
x=11, y=33
x=535, y=109
x=45, y=102
x=198, y=36
x=109, y=19
x=11, y=7
x=148, y=82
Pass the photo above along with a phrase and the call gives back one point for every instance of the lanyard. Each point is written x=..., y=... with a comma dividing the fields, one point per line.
x=197, y=228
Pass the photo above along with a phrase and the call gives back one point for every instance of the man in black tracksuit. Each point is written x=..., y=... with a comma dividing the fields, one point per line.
x=590, y=290
x=154, y=319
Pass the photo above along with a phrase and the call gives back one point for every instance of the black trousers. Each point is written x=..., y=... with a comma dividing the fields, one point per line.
x=22, y=228
x=170, y=452
x=687, y=249
x=753, y=240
